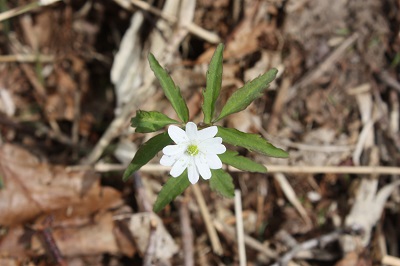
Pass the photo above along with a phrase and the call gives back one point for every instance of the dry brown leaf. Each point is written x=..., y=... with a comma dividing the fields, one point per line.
x=93, y=238
x=140, y=226
x=9, y=262
x=244, y=120
x=14, y=243
x=33, y=188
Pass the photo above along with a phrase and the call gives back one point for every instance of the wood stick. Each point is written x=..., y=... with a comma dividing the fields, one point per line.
x=239, y=228
x=248, y=240
x=23, y=9
x=212, y=233
x=191, y=27
x=304, y=169
x=187, y=233
x=390, y=260
x=27, y=58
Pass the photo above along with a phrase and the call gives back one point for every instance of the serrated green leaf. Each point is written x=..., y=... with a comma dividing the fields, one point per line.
x=172, y=188
x=150, y=121
x=146, y=152
x=222, y=183
x=252, y=90
x=213, y=87
x=241, y=162
x=252, y=142
x=171, y=91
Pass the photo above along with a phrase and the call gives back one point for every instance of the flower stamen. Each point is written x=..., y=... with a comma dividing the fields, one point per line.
x=193, y=150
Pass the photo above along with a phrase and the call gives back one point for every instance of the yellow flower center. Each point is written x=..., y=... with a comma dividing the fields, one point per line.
x=193, y=150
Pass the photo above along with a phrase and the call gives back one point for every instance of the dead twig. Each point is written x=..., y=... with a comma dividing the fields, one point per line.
x=141, y=197
x=151, y=248
x=239, y=228
x=191, y=27
x=390, y=260
x=145, y=205
x=389, y=80
x=307, y=245
x=291, y=196
x=38, y=130
x=301, y=169
x=278, y=106
x=248, y=240
x=302, y=146
x=48, y=241
x=75, y=123
x=24, y=9
x=212, y=233
x=316, y=72
x=27, y=58
x=262, y=191
x=187, y=233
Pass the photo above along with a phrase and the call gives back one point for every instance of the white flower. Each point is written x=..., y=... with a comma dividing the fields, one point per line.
x=47, y=2
x=195, y=150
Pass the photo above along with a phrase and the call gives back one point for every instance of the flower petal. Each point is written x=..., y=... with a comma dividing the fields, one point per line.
x=193, y=174
x=212, y=146
x=177, y=134
x=191, y=130
x=167, y=160
x=202, y=166
x=174, y=149
x=179, y=166
x=207, y=133
x=213, y=161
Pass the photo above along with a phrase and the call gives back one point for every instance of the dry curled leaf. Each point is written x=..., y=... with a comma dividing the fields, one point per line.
x=32, y=188
x=165, y=245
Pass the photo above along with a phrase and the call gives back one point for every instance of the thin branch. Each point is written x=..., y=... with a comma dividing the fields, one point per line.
x=24, y=9
x=239, y=228
x=157, y=168
x=212, y=233
x=390, y=260
x=38, y=130
x=26, y=58
x=307, y=245
x=291, y=196
x=151, y=248
x=248, y=240
x=320, y=69
x=389, y=80
x=141, y=196
x=49, y=243
x=191, y=27
x=145, y=205
x=187, y=233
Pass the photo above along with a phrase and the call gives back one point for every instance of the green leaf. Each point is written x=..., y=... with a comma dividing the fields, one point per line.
x=252, y=142
x=150, y=121
x=222, y=183
x=241, y=162
x=171, y=91
x=214, y=81
x=252, y=90
x=172, y=188
x=146, y=152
